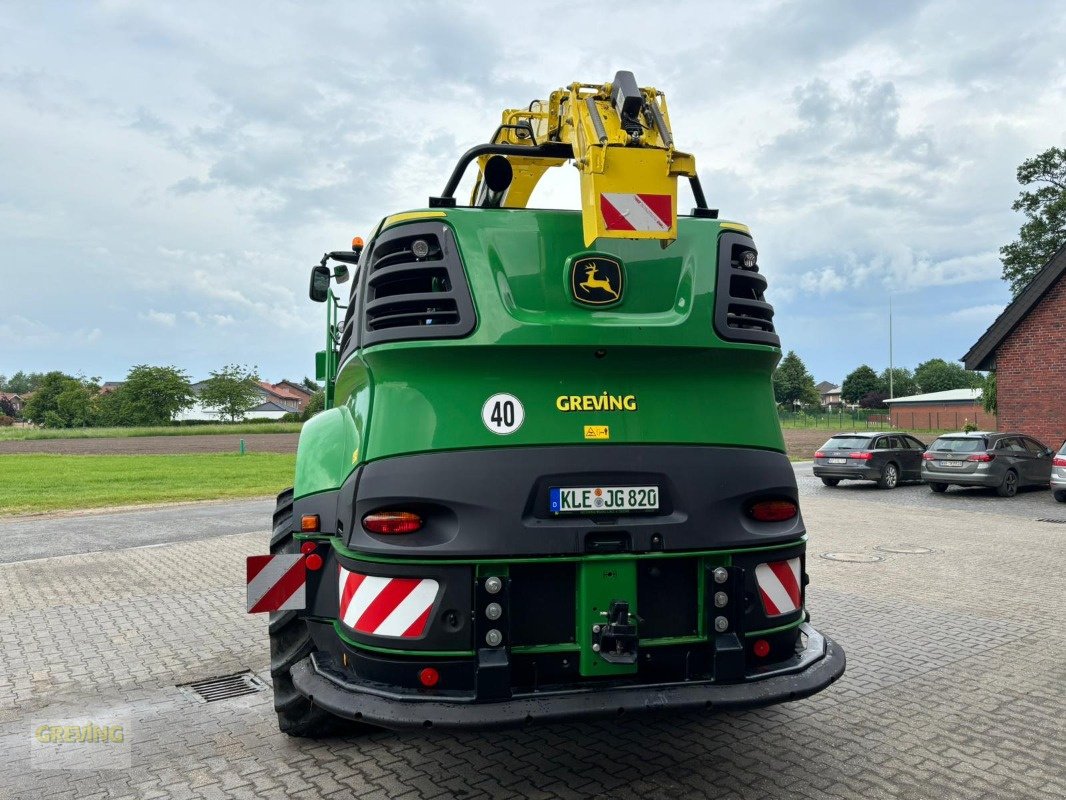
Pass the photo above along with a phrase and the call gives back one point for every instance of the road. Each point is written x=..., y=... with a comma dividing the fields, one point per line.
x=953, y=689
x=33, y=537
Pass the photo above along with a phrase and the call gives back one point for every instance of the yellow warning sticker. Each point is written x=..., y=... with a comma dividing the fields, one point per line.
x=597, y=432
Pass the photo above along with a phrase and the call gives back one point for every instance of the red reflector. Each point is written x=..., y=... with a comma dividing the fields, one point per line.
x=307, y=547
x=313, y=562
x=389, y=522
x=761, y=648
x=1059, y=461
x=309, y=523
x=861, y=456
x=981, y=457
x=773, y=510
x=428, y=677
x=819, y=454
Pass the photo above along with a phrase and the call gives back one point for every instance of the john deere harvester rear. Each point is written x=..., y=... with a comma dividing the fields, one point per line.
x=550, y=481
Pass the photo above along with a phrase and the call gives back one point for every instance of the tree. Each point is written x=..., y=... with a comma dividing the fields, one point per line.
x=988, y=393
x=859, y=383
x=22, y=383
x=310, y=385
x=937, y=375
x=1044, y=230
x=233, y=391
x=793, y=383
x=153, y=395
x=7, y=408
x=874, y=399
x=314, y=405
x=903, y=382
x=63, y=401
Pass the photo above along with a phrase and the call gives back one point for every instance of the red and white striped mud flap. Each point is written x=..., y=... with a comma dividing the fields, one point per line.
x=779, y=586
x=276, y=583
x=623, y=211
x=385, y=606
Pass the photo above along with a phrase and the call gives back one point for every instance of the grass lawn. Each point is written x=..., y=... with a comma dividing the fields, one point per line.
x=38, y=483
x=19, y=434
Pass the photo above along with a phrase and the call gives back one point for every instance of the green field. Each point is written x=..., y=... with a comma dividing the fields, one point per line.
x=21, y=434
x=38, y=483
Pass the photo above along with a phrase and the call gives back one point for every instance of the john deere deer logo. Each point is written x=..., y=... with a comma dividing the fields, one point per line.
x=596, y=280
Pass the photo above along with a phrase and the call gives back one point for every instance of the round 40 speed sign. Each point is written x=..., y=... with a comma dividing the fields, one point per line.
x=503, y=414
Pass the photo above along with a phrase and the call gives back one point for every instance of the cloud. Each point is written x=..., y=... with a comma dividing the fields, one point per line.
x=977, y=314
x=164, y=318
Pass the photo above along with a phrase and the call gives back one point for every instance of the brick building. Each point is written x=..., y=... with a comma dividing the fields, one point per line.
x=948, y=410
x=1026, y=346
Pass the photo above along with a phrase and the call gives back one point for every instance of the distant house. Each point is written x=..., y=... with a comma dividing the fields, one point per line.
x=298, y=389
x=829, y=395
x=107, y=387
x=17, y=401
x=287, y=394
x=948, y=410
x=275, y=404
x=1025, y=348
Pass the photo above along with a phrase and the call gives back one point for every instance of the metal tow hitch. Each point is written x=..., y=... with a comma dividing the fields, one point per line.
x=616, y=639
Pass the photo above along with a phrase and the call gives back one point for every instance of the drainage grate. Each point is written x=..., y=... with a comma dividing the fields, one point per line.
x=856, y=558
x=208, y=690
x=909, y=549
x=1051, y=519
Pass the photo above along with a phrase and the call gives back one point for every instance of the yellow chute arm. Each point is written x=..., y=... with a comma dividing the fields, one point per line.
x=619, y=138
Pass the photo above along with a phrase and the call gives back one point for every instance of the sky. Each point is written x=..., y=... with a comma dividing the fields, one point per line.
x=169, y=172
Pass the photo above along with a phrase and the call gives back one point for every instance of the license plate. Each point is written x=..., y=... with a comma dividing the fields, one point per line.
x=836, y=461
x=950, y=463
x=582, y=499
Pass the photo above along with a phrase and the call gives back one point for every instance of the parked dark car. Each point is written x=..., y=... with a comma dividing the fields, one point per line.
x=888, y=458
x=1005, y=462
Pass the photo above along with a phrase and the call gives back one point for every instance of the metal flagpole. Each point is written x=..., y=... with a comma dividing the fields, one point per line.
x=891, y=393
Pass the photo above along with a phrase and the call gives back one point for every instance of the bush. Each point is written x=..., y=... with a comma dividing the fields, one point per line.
x=291, y=416
x=6, y=421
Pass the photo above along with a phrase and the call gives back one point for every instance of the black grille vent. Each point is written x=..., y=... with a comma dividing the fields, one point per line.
x=416, y=287
x=741, y=312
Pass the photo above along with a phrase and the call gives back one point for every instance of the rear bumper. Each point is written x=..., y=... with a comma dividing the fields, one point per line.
x=817, y=663
x=962, y=478
x=845, y=472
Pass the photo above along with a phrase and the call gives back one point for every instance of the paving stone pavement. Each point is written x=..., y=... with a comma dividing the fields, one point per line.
x=956, y=684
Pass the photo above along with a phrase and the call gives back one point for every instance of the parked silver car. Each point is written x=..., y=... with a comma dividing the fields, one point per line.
x=1058, y=474
x=1001, y=461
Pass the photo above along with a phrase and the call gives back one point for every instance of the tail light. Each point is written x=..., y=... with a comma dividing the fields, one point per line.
x=981, y=457
x=779, y=586
x=1059, y=461
x=861, y=456
x=392, y=522
x=773, y=510
x=819, y=454
x=927, y=456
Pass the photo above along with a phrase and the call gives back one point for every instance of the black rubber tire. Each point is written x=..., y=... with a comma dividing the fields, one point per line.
x=1009, y=487
x=889, y=477
x=290, y=642
x=1060, y=495
x=939, y=488
x=830, y=481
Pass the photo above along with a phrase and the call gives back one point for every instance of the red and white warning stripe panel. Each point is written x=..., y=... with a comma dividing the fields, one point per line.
x=624, y=211
x=779, y=586
x=276, y=583
x=385, y=606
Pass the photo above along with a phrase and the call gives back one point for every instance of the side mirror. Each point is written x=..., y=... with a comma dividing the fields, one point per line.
x=319, y=290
